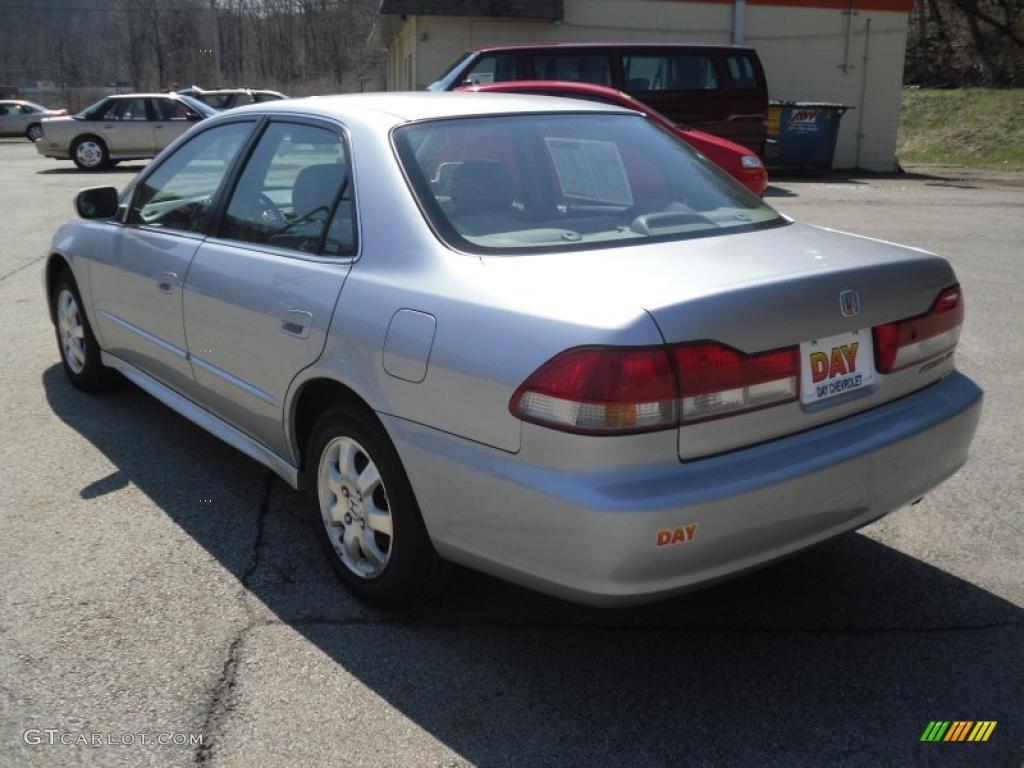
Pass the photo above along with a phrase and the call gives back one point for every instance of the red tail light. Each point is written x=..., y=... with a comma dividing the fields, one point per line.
x=621, y=390
x=916, y=339
x=716, y=380
x=601, y=390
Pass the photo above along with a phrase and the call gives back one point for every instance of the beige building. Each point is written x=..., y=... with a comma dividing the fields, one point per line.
x=844, y=51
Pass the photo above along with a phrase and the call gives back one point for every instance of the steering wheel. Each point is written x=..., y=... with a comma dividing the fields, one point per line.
x=308, y=217
x=268, y=212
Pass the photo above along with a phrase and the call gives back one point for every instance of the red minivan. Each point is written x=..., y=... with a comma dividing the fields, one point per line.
x=719, y=89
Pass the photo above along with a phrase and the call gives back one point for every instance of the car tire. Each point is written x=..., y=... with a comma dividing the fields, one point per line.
x=90, y=153
x=79, y=351
x=34, y=132
x=353, y=475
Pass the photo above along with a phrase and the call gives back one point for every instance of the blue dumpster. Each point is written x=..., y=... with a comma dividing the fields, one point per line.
x=802, y=133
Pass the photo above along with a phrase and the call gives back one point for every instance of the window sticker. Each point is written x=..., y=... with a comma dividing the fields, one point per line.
x=590, y=170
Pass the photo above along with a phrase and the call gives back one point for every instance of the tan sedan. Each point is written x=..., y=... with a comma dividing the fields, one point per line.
x=124, y=127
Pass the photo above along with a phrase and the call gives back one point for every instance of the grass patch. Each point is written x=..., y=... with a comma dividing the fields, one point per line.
x=976, y=127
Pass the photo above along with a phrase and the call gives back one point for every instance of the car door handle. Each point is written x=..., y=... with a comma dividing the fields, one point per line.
x=297, y=322
x=166, y=281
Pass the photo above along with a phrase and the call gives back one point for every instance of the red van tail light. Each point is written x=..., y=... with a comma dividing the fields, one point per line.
x=915, y=339
x=716, y=380
x=601, y=390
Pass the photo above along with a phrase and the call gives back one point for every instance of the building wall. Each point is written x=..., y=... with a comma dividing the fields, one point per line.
x=806, y=52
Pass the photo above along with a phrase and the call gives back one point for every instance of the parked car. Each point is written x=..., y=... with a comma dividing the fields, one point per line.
x=739, y=162
x=229, y=98
x=720, y=89
x=534, y=336
x=129, y=126
x=24, y=118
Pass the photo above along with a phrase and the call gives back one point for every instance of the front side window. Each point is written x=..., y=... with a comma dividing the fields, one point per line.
x=179, y=194
x=574, y=67
x=295, y=193
x=669, y=72
x=568, y=181
x=494, y=68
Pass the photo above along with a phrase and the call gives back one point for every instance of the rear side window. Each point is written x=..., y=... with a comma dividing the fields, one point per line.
x=494, y=68
x=574, y=67
x=172, y=109
x=742, y=73
x=126, y=109
x=669, y=72
x=295, y=193
x=180, y=193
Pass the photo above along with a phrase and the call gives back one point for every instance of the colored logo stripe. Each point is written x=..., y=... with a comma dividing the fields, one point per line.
x=958, y=730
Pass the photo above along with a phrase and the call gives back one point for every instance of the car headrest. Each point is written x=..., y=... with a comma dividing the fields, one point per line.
x=316, y=186
x=482, y=186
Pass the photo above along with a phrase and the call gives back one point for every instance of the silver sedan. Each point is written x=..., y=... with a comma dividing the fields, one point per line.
x=537, y=337
x=25, y=118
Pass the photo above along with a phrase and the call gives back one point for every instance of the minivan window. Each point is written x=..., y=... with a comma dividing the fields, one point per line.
x=669, y=72
x=574, y=67
x=742, y=73
x=553, y=182
x=495, y=68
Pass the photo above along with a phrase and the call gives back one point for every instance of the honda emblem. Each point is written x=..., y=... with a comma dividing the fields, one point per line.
x=849, y=303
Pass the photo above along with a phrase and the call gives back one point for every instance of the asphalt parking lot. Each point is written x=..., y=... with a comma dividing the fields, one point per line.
x=129, y=604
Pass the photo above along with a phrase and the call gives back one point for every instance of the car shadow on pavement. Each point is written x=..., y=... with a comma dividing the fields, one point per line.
x=839, y=656
x=71, y=170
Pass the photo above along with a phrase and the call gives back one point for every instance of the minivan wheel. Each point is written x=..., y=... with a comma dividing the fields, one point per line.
x=90, y=153
x=79, y=352
x=34, y=132
x=367, y=520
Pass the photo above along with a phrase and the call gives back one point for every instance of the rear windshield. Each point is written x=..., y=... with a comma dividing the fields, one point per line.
x=543, y=182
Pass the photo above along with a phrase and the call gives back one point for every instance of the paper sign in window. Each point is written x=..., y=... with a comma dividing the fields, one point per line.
x=590, y=170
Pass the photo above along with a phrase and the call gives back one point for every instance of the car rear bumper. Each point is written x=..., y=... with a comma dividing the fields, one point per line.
x=593, y=537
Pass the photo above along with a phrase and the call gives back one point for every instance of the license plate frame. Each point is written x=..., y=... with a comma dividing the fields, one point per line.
x=825, y=366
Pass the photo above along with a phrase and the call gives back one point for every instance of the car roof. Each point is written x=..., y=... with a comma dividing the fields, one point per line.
x=618, y=44
x=426, y=105
x=144, y=96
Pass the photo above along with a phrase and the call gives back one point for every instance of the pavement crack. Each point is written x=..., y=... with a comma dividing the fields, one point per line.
x=220, y=706
x=23, y=267
x=257, y=543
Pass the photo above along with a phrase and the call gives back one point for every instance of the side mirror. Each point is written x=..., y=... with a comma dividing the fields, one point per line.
x=96, y=203
x=193, y=117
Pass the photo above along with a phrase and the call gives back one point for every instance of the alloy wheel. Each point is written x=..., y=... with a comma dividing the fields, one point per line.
x=72, y=332
x=354, y=507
